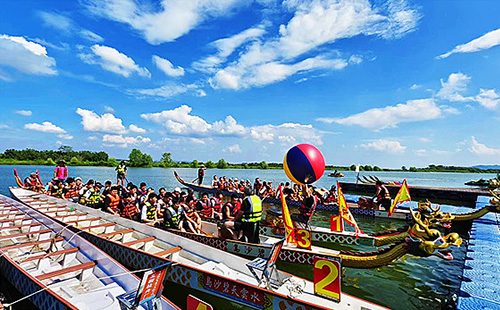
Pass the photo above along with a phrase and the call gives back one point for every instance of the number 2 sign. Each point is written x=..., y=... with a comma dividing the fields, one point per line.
x=327, y=277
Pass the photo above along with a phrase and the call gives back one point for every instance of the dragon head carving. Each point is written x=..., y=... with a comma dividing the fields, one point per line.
x=433, y=217
x=495, y=202
x=424, y=241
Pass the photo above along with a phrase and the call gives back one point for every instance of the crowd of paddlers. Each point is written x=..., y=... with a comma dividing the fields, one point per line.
x=265, y=189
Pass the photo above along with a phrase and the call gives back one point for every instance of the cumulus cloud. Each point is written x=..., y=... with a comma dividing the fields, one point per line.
x=452, y=88
x=482, y=149
x=314, y=24
x=134, y=128
x=488, y=98
x=181, y=16
x=104, y=123
x=383, y=145
x=109, y=109
x=180, y=121
x=25, y=56
x=390, y=116
x=112, y=60
x=24, y=112
x=167, y=67
x=67, y=26
x=484, y=42
x=121, y=141
x=44, y=127
x=233, y=149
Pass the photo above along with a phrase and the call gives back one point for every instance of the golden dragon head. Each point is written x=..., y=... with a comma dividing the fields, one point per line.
x=433, y=217
x=424, y=241
x=495, y=201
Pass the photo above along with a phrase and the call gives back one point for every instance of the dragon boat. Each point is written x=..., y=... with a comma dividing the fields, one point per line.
x=336, y=174
x=421, y=241
x=355, y=209
x=195, y=265
x=57, y=269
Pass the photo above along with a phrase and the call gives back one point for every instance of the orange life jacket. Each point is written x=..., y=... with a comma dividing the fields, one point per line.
x=115, y=201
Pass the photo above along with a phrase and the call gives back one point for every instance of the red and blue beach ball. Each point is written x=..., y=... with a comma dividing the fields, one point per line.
x=304, y=164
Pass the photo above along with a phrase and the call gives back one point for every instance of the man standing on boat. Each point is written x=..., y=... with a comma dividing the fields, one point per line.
x=248, y=218
x=382, y=196
x=201, y=174
x=121, y=173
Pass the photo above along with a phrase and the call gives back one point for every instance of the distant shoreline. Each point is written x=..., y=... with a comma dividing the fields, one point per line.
x=252, y=166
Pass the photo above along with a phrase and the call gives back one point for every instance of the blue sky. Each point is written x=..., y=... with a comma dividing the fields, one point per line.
x=385, y=83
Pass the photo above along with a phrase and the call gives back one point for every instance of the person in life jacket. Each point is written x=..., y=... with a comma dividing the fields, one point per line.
x=121, y=173
x=231, y=208
x=172, y=216
x=331, y=197
x=56, y=189
x=382, y=196
x=93, y=198
x=83, y=191
x=129, y=208
x=70, y=191
x=32, y=183
x=112, y=202
x=78, y=184
x=246, y=221
x=191, y=220
x=204, y=207
x=149, y=214
x=306, y=209
x=215, y=182
x=216, y=202
x=61, y=171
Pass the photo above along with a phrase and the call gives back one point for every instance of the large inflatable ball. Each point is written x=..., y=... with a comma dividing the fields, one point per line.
x=304, y=164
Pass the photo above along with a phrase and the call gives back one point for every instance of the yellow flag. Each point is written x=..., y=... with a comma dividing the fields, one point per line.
x=403, y=195
x=344, y=210
x=287, y=220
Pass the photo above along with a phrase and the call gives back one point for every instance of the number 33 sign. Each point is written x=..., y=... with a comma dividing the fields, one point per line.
x=327, y=277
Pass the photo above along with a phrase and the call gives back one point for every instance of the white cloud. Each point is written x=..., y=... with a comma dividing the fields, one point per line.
x=92, y=138
x=233, y=149
x=124, y=142
x=65, y=136
x=25, y=56
x=484, y=42
x=167, y=67
x=164, y=22
x=165, y=91
x=134, y=128
x=44, y=127
x=105, y=123
x=390, y=116
x=3, y=127
x=415, y=86
x=452, y=88
x=383, y=145
x=314, y=24
x=108, y=109
x=112, y=60
x=67, y=26
x=196, y=141
x=24, y=112
x=423, y=139
x=482, y=149
x=180, y=121
x=488, y=98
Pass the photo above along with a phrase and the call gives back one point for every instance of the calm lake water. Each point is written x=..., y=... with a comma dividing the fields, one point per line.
x=408, y=284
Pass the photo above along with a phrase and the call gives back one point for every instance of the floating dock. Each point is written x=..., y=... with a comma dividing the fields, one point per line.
x=480, y=288
x=458, y=196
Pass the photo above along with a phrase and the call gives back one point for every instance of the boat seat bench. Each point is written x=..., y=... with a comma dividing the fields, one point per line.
x=38, y=232
x=130, y=243
x=66, y=270
x=114, y=233
x=22, y=245
x=37, y=257
x=168, y=251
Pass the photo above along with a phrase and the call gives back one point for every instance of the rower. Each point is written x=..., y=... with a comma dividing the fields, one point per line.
x=382, y=196
x=112, y=201
x=172, y=215
x=204, y=206
x=248, y=218
x=216, y=202
x=231, y=208
x=306, y=209
x=148, y=212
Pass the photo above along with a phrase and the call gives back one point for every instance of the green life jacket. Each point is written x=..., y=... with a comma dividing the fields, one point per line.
x=175, y=215
x=255, y=213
